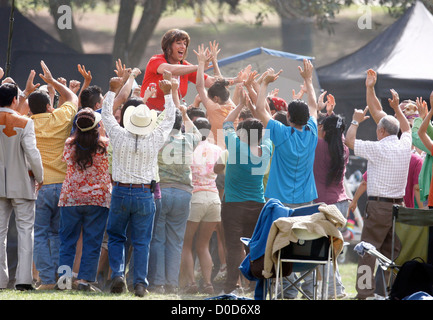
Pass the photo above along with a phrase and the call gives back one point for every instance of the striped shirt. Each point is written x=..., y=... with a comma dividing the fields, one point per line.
x=134, y=158
x=388, y=164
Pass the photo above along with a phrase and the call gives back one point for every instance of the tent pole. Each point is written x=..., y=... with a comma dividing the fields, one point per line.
x=11, y=25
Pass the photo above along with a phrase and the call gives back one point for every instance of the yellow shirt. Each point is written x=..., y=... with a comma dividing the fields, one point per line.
x=52, y=129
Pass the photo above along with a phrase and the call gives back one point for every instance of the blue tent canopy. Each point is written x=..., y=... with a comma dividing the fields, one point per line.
x=260, y=60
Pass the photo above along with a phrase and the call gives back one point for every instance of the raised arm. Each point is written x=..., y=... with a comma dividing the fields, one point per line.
x=125, y=91
x=202, y=58
x=422, y=131
x=23, y=105
x=358, y=117
x=234, y=114
x=87, y=76
x=373, y=102
x=261, y=105
x=395, y=105
x=214, y=50
x=307, y=75
x=66, y=93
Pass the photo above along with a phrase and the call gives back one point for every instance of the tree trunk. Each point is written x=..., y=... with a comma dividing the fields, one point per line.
x=297, y=36
x=152, y=10
x=69, y=35
x=123, y=31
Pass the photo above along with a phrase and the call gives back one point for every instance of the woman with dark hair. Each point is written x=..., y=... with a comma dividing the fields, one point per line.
x=85, y=196
x=248, y=159
x=331, y=158
x=174, y=45
x=205, y=212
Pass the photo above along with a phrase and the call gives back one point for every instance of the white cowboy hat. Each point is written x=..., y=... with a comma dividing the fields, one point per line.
x=139, y=120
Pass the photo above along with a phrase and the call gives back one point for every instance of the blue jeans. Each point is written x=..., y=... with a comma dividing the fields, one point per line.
x=167, y=239
x=92, y=221
x=134, y=206
x=46, y=238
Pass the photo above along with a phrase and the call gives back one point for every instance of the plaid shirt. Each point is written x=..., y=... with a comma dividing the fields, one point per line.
x=388, y=164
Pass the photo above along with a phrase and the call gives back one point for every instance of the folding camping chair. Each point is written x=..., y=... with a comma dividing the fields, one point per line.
x=414, y=228
x=306, y=255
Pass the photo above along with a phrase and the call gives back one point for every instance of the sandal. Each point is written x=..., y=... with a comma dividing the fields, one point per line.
x=208, y=288
x=191, y=288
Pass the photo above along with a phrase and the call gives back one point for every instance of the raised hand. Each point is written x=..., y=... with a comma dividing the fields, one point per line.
x=203, y=55
x=213, y=48
x=74, y=85
x=371, y=79
x=300, y=94
x=330, y=104
x=271, y=76
x=120, y=68
x=165, y=86
x=30, y=87
x=422, y=107
x=360, y=115
x=46, y=76
x=2, y=73
x=135, y=72
x=87, y=75
x=115, y=84
x=395, y=101
x=307, y=72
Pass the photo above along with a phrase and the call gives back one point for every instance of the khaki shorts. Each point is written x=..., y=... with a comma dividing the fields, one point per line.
x=205, y=206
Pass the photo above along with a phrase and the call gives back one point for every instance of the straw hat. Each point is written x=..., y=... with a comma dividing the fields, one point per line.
x=139, y=120
x=88, y=116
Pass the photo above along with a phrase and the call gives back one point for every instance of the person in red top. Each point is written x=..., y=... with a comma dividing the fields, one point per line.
x=174, y=45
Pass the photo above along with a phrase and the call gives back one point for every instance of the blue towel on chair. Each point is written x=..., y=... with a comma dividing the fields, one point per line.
x=271, y=211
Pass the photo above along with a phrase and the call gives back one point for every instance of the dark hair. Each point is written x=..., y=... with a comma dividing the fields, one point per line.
x=178, y=120
x=204, y=126
x=219, y=89
x=90, y=97
x=87, y=143
x=8, y=91
x=171, y=36
x=38, y=101
x=298, y=112
x=250, y=125
x=333, y=127
x=271, y=104
x=245, y=114
x=281, y=116
x=133, y=101
x=195, y=113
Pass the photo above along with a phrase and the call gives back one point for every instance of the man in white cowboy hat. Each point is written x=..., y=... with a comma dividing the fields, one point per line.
x=135, y=152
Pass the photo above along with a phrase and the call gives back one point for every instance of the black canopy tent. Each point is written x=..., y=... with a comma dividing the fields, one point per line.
x=31, y=44
x=401, y=56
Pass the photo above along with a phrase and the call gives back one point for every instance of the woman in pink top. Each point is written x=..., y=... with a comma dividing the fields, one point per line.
x=85, y=196
x=205, y=211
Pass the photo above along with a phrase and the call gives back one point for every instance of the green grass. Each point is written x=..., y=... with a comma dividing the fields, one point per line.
x=347, y=271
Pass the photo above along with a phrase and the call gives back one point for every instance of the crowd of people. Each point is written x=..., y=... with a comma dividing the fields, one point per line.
x=138, y=181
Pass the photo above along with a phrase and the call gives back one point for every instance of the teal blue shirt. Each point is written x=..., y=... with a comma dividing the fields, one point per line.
x=244, y=170
x=291, y=178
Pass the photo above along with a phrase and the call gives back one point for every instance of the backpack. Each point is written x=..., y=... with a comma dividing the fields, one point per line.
x=413, y=276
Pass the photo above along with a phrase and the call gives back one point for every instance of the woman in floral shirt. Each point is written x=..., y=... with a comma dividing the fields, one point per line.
x=85, y=196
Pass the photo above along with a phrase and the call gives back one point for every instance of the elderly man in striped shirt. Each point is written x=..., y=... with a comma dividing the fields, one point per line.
x=387, y=167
